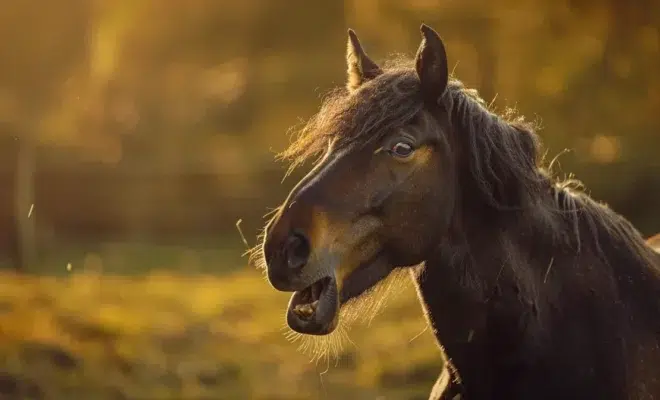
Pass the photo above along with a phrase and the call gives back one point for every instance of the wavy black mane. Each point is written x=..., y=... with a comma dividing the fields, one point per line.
x=501, y=166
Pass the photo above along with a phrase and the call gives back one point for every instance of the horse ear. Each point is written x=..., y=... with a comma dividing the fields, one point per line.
x=431, y=64
x=360, y=67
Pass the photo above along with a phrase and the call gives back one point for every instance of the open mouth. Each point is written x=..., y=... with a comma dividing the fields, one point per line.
x=314, y=310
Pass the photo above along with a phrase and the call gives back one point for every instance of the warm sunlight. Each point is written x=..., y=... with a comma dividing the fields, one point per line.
x=135, y=134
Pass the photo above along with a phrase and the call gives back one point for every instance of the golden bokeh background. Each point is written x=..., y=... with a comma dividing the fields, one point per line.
x=134, y=134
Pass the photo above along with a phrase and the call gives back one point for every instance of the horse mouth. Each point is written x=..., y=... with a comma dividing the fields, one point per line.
x=314, y=310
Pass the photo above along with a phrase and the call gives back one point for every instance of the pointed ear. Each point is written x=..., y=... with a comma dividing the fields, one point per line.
x=431, y=65
x=360, y=66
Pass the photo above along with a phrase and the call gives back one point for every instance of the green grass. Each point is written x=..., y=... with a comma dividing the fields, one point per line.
x=192, y=255
x=170, y=336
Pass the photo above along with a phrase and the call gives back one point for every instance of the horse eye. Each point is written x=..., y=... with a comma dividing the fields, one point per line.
x=402, y=150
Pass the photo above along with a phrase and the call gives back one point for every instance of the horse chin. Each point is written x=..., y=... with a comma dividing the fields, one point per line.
x=366, y=276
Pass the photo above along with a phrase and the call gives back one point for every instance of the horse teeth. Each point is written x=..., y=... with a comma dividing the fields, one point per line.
x=314, y=304
x=304, y=310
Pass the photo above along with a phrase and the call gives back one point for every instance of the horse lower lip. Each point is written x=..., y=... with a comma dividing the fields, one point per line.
x=314, y=316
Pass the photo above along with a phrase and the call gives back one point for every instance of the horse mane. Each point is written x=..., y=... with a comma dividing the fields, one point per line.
x=500, y=163
x=381, y=105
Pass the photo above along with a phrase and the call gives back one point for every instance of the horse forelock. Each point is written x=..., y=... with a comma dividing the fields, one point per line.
x=378, y=107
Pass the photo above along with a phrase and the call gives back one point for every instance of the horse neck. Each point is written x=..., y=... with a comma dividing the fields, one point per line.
x=468, y=290
x=484, y=288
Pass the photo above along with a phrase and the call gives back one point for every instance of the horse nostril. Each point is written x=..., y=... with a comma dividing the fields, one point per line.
x=297, y=250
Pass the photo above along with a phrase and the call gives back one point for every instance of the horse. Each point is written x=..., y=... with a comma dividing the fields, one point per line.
x=533, y=289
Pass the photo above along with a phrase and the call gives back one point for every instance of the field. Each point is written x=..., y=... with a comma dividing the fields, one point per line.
x=174, y=336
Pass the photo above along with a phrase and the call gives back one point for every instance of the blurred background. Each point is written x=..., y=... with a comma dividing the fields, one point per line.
x=134, y=134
